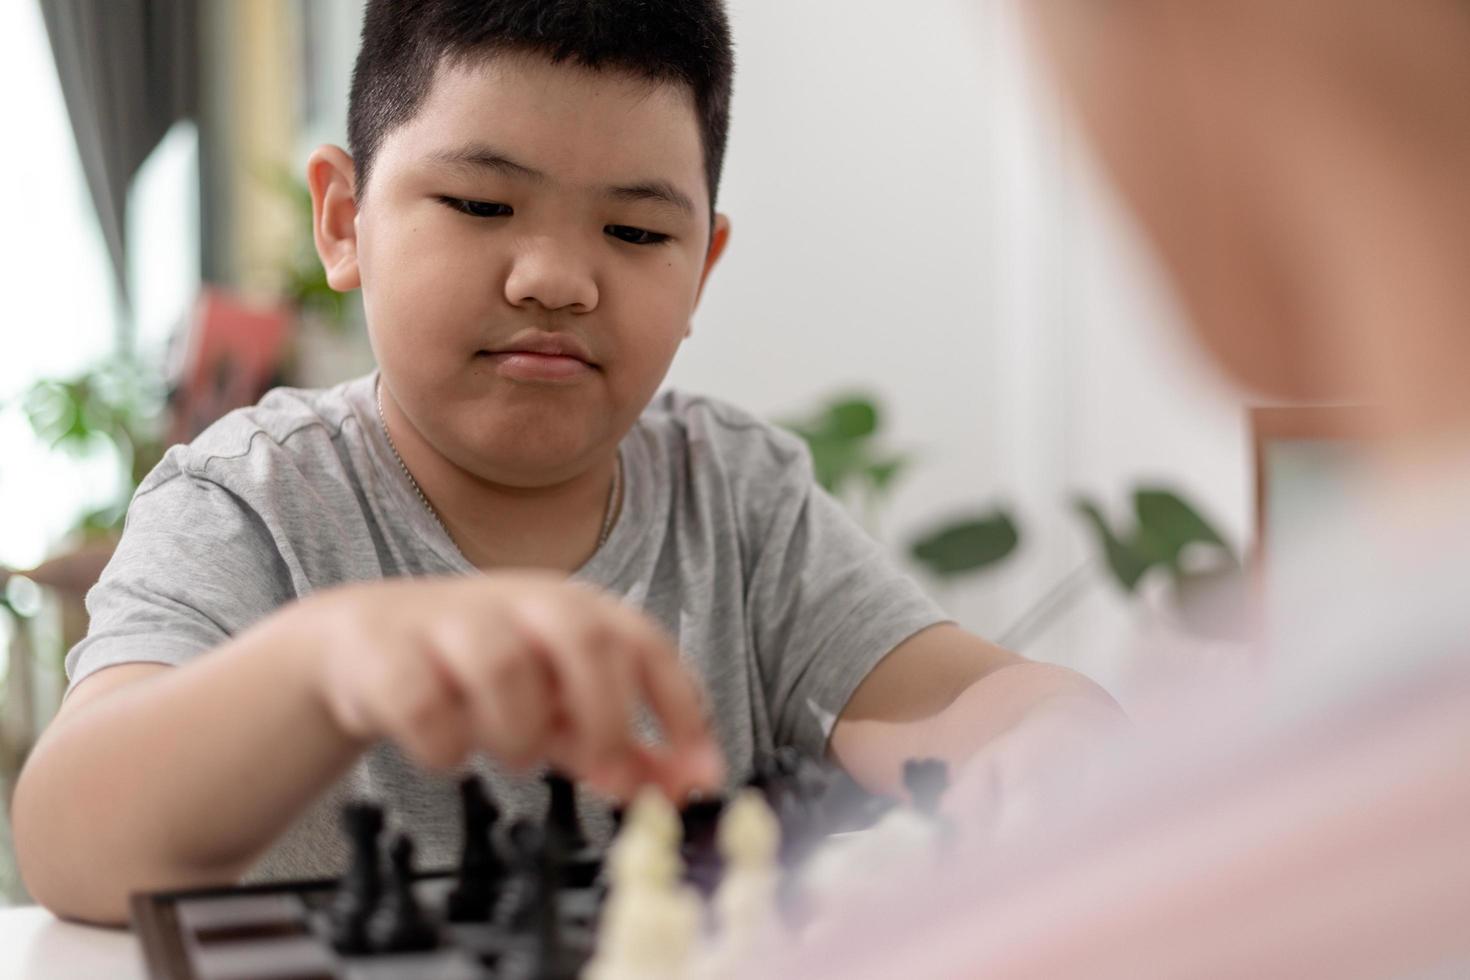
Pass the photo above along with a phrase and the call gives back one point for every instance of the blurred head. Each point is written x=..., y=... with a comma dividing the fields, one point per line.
x=1301, y=168
x=528, y=211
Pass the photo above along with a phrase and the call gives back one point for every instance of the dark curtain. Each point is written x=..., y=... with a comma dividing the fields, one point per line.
x=128, y=71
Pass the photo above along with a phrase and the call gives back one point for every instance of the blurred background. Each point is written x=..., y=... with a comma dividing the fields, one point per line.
x=927, y=280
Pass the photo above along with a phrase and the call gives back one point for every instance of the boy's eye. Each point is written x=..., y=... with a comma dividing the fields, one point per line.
x=478, y=209
x=635, y=236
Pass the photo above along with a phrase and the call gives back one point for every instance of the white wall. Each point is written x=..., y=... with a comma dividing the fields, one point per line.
x=912, y=216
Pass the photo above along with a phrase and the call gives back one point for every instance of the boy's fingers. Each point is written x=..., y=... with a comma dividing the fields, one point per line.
x=679, y=707
x=518, y=712
x=412, y=702
x=582, y=650
x=508, y=691
x=642, y=766
x=442, y=745
x=665, y=771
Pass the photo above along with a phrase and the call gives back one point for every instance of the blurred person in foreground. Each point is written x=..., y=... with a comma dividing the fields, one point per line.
x=1303, y=171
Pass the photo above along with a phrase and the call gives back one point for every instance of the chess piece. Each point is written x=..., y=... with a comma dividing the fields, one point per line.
x=699, y=848
x=480, y=867
x=846, y=806
x=926, y=780
x=539, y=951
x=749, y=839
x=579, y=862
x=360, y=888
x=400, y=923
x=517, y=906
x=651, y=918
x=796, y=787
x=561, y=813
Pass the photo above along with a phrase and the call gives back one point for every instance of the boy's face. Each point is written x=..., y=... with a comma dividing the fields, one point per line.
x=531, y=247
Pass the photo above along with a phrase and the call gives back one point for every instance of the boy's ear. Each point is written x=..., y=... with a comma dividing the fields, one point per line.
x=332, y=177
x=718, y=239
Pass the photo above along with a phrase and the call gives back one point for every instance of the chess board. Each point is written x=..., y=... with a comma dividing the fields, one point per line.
x=282, y=930
x=522, y=904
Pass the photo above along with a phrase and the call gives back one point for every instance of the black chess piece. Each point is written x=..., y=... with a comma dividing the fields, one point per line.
x=517, y=906
x=481, y=869
x=400, y=925
x=812, y=779
x=846, y=806
x=579, y=862
x=561, y=813
x=699, y=847
x=795, y=786
x=539, y=950
x=361, y=887
x=927, y=780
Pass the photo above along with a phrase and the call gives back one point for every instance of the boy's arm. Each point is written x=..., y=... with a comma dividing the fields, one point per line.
x=155, y=776
x=945, y=693
x=158, y=778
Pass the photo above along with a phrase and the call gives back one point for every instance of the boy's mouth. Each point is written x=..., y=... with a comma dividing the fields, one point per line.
x=545, y=344
x=540, y=357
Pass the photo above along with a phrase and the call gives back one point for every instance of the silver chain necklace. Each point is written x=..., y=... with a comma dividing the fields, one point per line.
x=613, y=493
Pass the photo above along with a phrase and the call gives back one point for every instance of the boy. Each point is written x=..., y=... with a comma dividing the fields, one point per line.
x=529, y=211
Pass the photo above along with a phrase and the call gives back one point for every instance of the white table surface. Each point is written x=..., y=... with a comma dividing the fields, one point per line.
x=35, y=945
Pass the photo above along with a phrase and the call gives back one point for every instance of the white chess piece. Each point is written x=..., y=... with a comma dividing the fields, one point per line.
x=749, y=839
x=651, y=919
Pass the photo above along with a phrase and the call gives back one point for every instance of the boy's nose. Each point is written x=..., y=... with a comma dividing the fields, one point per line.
x=552, y=276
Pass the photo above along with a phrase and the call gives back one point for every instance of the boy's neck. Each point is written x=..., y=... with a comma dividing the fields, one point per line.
x=557, y=527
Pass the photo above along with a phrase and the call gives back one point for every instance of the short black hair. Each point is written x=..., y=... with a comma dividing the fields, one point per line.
x=404, y=41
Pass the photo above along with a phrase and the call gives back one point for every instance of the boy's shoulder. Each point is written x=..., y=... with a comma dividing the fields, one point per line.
x=295, y=428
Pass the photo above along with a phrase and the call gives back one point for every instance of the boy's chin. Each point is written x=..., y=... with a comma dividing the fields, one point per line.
x=517, y=460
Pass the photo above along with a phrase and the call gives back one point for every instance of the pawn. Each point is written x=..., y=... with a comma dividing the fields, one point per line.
x=749, y=840
x=401, y=924
x=927, y=780
x=651, y=919
x=480, y=867
x=361, y=887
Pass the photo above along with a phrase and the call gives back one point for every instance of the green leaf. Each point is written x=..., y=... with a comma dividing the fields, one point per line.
x=843, y=437
x=834, y=461
x=115, y=408
x=968, y=545
x=1128, y=560
x=1173, y=525
x=855, y=417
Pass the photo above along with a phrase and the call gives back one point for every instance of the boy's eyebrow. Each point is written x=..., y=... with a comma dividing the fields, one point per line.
x=479, y=155
x=658, y=191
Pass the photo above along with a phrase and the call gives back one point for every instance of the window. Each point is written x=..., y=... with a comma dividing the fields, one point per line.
x=58, y=305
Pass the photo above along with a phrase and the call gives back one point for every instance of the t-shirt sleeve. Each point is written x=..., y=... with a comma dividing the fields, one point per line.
x=195, y=566
x=824, y=600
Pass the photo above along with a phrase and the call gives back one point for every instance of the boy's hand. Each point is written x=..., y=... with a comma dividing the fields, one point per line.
x=527, y=667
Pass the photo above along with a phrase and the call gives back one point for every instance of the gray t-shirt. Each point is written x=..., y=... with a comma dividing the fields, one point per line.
x=778, y=600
